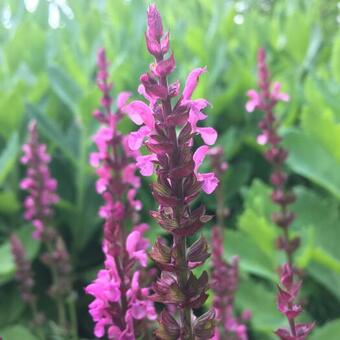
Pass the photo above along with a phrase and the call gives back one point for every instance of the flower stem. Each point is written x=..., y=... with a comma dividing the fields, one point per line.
x=73, y=315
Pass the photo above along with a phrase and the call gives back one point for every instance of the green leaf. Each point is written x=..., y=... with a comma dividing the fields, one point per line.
x=322, y=214
x=252, y=259
x=324, y=129
x=8, y=202
x=11, y=305
x=8, y=157
x=310, y=159
x=261, y=300
x=330, y=331
x=51, y=130
x=11, y=110
x=17, y=332
x=65, y=87
x=335, y=60
x=255, y=220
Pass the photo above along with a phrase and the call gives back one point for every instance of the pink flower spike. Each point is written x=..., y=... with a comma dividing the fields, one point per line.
x=192, y=81
x=254, y=100
x=154, y=25
x=277, y=94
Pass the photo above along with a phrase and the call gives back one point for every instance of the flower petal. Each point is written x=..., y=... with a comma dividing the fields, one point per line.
x=209, y=182
x=122, y=99
x=139, y=113
x=192, y=81
x=199, y=156
x=208, y=134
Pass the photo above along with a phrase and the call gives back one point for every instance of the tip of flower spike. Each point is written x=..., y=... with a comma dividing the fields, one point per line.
x=101, y=57
x=155, y=26
x=261, y=54
x=32, y=125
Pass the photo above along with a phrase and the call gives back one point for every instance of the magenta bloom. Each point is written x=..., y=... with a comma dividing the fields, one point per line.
x=167, y=125
x=121, y=305
x=224, y=285
x=276, y=155
x=38, y=183
x=39, y=209
x=288, y=293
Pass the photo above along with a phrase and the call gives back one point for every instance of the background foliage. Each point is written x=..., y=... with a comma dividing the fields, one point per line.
x=47, y=71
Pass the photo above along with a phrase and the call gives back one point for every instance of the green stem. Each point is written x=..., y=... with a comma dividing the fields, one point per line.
x=37, y=329
x=59, y=300
x=73, y=316
x=81, y=166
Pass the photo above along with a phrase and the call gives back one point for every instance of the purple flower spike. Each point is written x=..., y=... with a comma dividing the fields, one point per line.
x=121, y=307
x=287, y=295
x=224, y=284
x=167, y=126
x=24, y=277
x=39, y=209
x=38, y=183
x=24, y=274
x=266, y=100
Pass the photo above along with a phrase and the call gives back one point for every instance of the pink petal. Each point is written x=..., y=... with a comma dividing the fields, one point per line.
x=145, y=164
x=132, y=241
x=136, y=138
x=122, y=99
x=209, y=182
x=191, y=82
x=254, y=100
x=208, y=134
x=199, y=156
x=95, y=159
x=262, y=139
x=138, y=112
x=277, y=95
x=135, y=281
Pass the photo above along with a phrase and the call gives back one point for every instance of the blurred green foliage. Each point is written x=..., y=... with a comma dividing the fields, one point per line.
x=48, y=73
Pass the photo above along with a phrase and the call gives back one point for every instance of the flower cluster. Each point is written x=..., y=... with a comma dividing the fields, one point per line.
x=276, y=155
x=168, y=126
x=24, y=277
x=288, y=292
x=121, y=305
x=224, y=285
x=38, y=182
x=23, y=274
x=224, y=281
x=41, y=187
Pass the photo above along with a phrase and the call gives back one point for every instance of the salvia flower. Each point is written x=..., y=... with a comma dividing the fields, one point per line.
x=24, y=277
x=122, y=304
x=286, y=304
x=225, y=275
x=266, y=100
x=24, y=274
x=168, y=124
x=224, y=285
x=39, y=209
x=38, y=183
